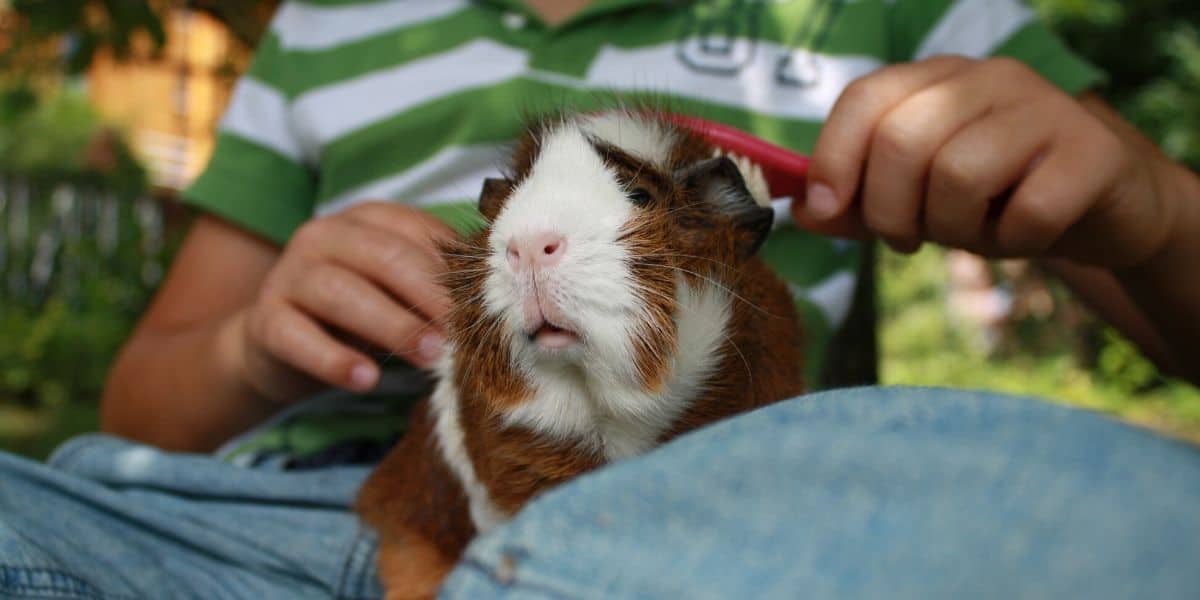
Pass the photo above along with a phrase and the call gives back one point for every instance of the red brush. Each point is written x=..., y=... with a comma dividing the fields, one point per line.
x=786, y=173
x=784, y=170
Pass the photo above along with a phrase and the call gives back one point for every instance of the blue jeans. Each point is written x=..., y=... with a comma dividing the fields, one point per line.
x=898, y=493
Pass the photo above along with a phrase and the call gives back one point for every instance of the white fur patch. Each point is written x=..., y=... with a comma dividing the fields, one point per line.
x=449, y=433
x=569, y=191
x=605, y=408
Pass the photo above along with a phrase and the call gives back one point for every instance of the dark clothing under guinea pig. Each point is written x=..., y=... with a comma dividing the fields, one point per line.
x=613, y=301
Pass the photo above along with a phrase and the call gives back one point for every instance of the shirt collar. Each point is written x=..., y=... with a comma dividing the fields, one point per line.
x=595, y=9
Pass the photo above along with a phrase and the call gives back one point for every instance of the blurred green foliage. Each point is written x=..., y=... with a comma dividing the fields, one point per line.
x=58, y=349
x=57, y=341
x=1151, y=51
x=1051, y=356
x=54, y=356
x=58, y=136
x=92, y=24
x=86, y=27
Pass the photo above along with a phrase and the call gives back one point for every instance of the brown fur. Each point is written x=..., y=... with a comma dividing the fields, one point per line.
x=762, y=359
x=515, y=464
x=419, y=510
x=411, y=567
x=413, y=499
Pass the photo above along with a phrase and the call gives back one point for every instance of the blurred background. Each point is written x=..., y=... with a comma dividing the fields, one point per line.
x=107, y=110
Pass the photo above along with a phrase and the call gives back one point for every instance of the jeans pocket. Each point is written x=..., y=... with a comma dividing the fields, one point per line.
x=17, y=582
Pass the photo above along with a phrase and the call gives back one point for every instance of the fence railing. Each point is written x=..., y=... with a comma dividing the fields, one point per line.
x=56, y=235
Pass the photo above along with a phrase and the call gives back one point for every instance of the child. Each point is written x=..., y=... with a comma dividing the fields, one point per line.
x=405, y=103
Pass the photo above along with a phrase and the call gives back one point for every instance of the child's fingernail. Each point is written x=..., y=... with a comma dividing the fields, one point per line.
x=362, y=376
x=821, y=202
x=431, y=346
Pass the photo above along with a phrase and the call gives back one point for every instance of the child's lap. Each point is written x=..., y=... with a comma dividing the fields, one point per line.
x=109, y=519
x=892, y=492
x=867, y=493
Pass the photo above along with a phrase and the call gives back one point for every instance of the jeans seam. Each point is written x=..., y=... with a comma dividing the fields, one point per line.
x=353, y=560
x=67, y=459
x=342, y=579
x=513, y=581
x=70, y=585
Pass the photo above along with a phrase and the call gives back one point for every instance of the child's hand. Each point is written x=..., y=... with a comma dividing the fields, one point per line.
x=369, y=272
x=989, y=157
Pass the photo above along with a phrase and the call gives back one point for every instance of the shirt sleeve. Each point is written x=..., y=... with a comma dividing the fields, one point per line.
x=257, y=177
x=987, y=28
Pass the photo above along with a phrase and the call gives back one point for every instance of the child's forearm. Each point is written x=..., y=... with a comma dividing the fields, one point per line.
x=180, y=389
x=1100, y=290
x=1167, y=285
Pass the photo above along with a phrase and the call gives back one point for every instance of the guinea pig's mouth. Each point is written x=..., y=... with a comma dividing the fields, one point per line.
x=552, y=337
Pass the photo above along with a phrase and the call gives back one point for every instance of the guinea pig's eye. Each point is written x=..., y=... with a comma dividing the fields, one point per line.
x=639, y=196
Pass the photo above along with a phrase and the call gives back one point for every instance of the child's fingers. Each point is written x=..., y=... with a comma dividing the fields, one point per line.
x=974, y=169
x=842, y=148
x=848, y=224
x=904, y=144
x=1060, y=189
x=290, y=336
x=410, y=223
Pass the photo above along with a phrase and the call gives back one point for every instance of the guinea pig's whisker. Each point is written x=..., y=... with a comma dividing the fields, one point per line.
x=457, y=275
x=475, y=328
x=405, y=344
x=652, y=328
x=467, y=256
x=641, y=168
x=745, y=362
x=471, y=331
x=465, y=210
x=472, y=359
x=716, y=284
x=418, y=306
x=463, y=271
x=629, y=233
x=648, y=290
x=672, y=211
x=648, y=257
x=493, y=321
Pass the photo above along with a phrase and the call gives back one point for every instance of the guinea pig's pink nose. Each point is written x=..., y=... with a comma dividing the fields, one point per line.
x=536, y=250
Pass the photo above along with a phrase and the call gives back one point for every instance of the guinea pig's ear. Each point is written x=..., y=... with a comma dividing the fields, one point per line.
x=719, y=182
x=491, y=199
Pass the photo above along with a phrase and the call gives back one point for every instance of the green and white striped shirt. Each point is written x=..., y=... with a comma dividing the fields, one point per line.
x=414, y=100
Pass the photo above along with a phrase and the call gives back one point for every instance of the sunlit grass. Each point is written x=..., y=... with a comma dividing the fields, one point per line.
x=920, y=346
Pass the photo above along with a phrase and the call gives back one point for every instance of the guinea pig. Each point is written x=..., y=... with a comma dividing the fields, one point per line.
x=613, y=301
